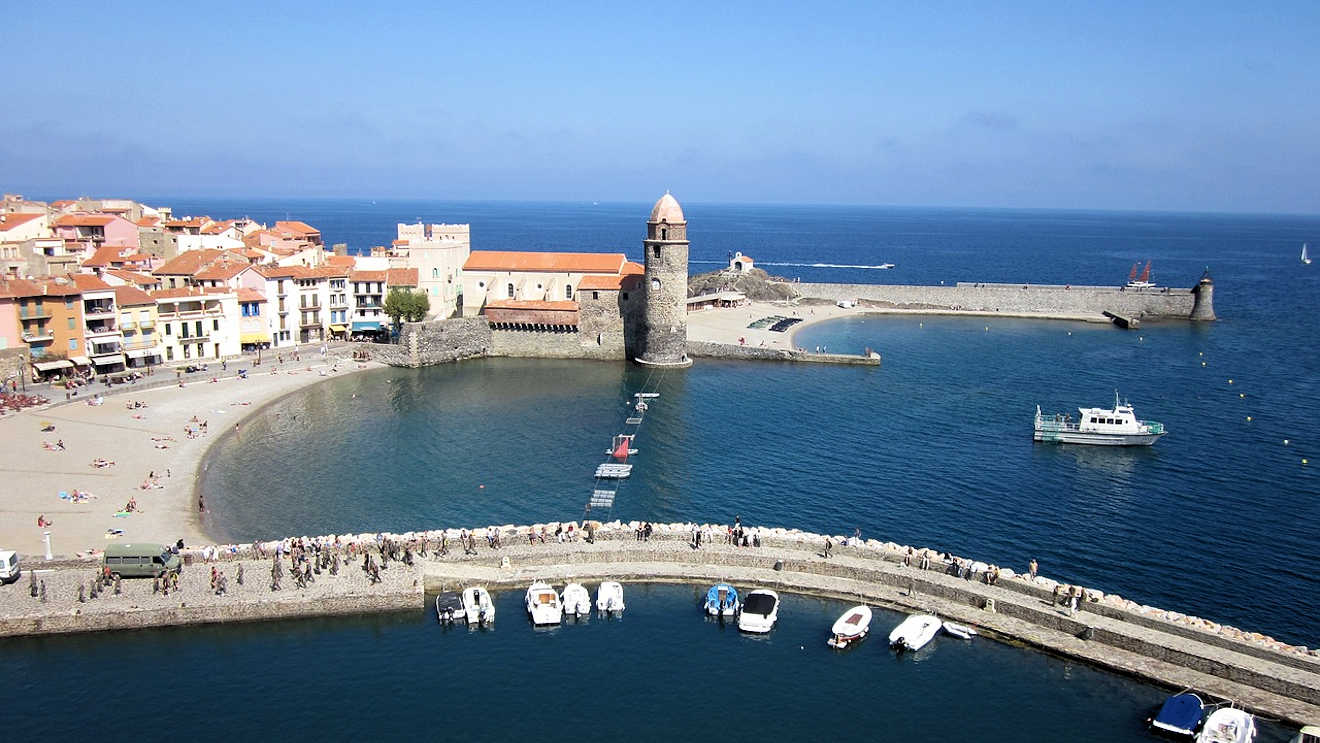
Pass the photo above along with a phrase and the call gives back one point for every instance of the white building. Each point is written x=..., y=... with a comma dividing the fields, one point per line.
x=197, y=324
x=493, y=275
x=438, y=252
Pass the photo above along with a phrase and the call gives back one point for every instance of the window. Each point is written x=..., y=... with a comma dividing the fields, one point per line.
x=215, y=325
x=68, y=304
x=568, y=291
x=595, y=295
x=187, y=351
x=655, y=285
x=435, y=273
x=70, y=323
x=73, y=344
x=481, y=285
x=199, y=329
x=664, y=235
x=169, y=353
x=656, y=251
x=510, y=291
x=168, y=329
x=624, y=295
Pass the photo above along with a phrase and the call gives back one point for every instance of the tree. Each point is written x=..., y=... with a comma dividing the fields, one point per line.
x=397, y=303
x=420, y=305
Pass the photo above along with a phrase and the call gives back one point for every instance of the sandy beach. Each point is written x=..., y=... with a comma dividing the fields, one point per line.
x=41, y=479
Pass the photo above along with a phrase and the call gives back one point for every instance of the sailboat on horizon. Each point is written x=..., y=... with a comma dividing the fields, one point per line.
x=1139, y=283
x=1305, y=257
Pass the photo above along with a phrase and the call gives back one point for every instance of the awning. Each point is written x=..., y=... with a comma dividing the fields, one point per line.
x=337, y=328
x=366, y=325
x=141, y=353
x=114, y=358
x=254, y=338
x=52, y=365
x=80, y=360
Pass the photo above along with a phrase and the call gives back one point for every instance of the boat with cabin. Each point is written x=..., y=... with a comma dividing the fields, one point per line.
x=478, y=609
x=609, y=597
x=449, y=607
x=914, y=632
x=543, y=604
x=759, y=611
x=1228, y=725
x=576, y=600
x=722, y=601
x=1101, y=426
x=850, y=627
x=1180, y=715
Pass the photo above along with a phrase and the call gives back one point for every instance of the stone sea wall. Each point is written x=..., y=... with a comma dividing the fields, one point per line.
x=704, y=349
x=546, y=344
x=1162, y=302
x=436, y=342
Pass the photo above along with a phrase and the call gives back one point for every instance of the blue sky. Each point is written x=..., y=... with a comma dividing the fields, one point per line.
x=1180, y=106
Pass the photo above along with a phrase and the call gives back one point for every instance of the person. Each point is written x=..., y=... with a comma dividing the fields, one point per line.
x=828, y=546
x=41, y=521
x=1031, y=568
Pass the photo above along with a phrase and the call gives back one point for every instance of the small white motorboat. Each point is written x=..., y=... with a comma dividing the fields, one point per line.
x=1180, y=715
x=914, y=632
x=1308, y=734
x=959, y=630
x=576, y=600
x=850, y=627
x=449, y=607
x=609, y=597
x=1228, y=725
x=543, y=604
x=477, y=606
x=722, y=600
x=759, y=611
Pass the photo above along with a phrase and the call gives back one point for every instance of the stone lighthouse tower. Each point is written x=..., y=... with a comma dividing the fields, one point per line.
x=663, y=334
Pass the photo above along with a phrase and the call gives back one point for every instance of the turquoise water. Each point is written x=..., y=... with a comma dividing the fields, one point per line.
x=660, y=672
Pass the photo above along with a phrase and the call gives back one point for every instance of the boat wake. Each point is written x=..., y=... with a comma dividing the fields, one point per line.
x=881, y=267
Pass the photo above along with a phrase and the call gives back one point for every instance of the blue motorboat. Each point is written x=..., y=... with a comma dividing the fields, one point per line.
x=1180, y=715
x=722, y=600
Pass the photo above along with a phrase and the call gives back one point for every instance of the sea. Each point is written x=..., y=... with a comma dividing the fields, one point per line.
x=932, y=449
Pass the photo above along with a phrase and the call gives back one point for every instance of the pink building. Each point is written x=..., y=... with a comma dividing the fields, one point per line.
x=9, y=328
x=100, y=229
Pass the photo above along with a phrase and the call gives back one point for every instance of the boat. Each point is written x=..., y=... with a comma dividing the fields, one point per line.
x=1144, y=281
x=1306, y=258
x=449, y=607
x=914, y=632
x=543, y=604
x=759, y=611
x=1308, y=734
x=1179, y=715
x=959, y=630
x=722, y=600
x=850, y=627
x=1101, y=426
x=477, y=606
x=576, y=600
x=1228, y=725
x=609, y=597
x=621, y=447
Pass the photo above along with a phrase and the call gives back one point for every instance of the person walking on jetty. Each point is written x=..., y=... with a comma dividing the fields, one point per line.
x=829, y=546
x=1031, y=569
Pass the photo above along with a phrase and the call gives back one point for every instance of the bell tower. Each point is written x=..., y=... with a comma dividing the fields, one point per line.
x=663, y=334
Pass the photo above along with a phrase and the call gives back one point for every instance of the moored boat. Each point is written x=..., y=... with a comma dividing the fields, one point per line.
x=477, y=606
x=543, y=604
x=850, y=627
x=959, y=630
x=759, y=611
x=1099, y=426
x=576, y=600
x=449, y=607
x=722, y=600
x=1180, y=715
x=914, y=632
x=609, y=597
x=1308, y=734
x=1228, y=725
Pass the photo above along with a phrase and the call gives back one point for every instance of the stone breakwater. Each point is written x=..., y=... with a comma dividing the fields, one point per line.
x=1264, y=675
x=705, y=349
x=1027, y=299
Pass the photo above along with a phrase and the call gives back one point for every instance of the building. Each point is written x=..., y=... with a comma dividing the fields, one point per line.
x=197, y=324
x=104, y=344
x=740, y=263
x=662, y=340
x=509, y=276
x=368, y=313
x=253, y=320
x=98, y=229
x=137, y=324
x=50, y=323
x=437, y=252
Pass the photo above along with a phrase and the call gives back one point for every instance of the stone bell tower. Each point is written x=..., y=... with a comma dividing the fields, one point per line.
x=663, y=334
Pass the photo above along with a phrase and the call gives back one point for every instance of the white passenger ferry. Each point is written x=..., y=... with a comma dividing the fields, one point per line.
x=1116, y=427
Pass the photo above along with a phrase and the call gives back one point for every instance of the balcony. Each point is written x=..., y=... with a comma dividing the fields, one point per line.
x=104, y=349
x=191, y=314
x=36, y=313
x=139, y=345
x=309, y=306
x=41, y=336
x=311, y=324
x=195, y=338
x=144, y=324
x=98, y=310
x=128, y=327
x=100, y=330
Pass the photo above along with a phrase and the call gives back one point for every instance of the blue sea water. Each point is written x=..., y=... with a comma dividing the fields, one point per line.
x=933, y=448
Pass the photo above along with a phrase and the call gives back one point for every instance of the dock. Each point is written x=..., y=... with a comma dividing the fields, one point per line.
x=1127, y=322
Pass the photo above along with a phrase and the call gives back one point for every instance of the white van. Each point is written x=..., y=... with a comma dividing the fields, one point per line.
x=9, y=569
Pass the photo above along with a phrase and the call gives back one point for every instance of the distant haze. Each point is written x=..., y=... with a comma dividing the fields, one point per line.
x=1197, y=106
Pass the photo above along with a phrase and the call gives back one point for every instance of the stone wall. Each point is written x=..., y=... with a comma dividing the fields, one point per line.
x=436, y=342
x=13, y=364
x=544, y=344
x=704, y=349
x=1014, y=298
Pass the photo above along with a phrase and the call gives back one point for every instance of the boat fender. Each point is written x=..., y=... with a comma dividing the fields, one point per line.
x=779, y=564
x=989, y=605
x=1087, y=634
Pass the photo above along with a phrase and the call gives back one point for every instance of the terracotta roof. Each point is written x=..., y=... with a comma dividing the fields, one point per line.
x=42, y=287
x=188, y=262
x=600, y=281
x=216, y=228
x=104, y=256
x=148, y=222
x=137, y=258
x=16, y=219
x=250, y=295
x=84, y=220
x=135, y=278
x=194, y=222
x=633, y=268
x=223, y=270
x=277, y=272
x=61, y=203
x=399, y=242
x=368, y=275
x=666, y=209
x=88, y=282
x=347, y=261
x=130, y=296
x=296, y=226
x=190, y=291
x=401, y=277
x=501, y=260
x=532, y=304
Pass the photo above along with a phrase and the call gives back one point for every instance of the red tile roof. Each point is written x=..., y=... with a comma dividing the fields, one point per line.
x=17, y=219
x=148, y=222
x=216, y=228
x=296, y=227
x=130, y=296
x=88, y=282
x=222, y=270
x=278, y=272
x=184, y=292
x=532, y=304
x=134, y=278
x=84, y=220
x=42, y=287
x=347, y=261
x=188, y=262
x=368, y=275
x=501, y=260
x=104, y=256
x=401, y=277
x=250, y=295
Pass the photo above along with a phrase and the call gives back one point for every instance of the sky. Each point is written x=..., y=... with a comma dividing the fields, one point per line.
x=1195, y=106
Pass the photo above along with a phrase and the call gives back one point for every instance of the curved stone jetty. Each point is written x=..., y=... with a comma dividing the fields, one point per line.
x=1257, y=672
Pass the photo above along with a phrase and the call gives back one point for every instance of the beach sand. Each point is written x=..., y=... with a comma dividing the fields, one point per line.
x=133, y=439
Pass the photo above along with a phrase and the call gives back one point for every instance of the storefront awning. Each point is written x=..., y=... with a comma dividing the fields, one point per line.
x=80, y=360
x=52, y=365
x=254, y=338
x=337, y=328
x=108, y=360
x=142, y=353
x=366, y=325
